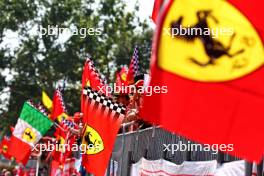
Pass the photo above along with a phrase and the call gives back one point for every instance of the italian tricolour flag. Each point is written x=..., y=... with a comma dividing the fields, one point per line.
x=30, y=127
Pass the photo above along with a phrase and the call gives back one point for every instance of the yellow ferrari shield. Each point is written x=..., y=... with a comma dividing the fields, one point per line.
x=4, y=148
x=92, y=141
x=124, y=76
x=208, y=41
x=29, y=135
x=62, y=117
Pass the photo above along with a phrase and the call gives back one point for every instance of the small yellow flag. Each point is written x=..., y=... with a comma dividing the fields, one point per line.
x=47, y=102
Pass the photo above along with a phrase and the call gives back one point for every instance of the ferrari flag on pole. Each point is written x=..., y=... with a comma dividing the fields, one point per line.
x=209, y=54
x=103, y=118
x=30, y=128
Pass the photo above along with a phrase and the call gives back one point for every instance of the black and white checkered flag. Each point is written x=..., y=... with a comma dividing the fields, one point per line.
x=133, y=67
x=135, y=62
x=104, y=103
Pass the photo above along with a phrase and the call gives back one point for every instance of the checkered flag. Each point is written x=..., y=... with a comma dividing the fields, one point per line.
x=68, y=124
x=135, y=62
x=100, y=102
x=59, y=94
x=134, y=66
x=38, y=107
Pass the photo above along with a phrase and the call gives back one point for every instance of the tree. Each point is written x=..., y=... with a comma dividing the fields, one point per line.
x=40, y=62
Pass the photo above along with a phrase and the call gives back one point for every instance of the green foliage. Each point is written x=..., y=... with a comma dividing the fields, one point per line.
x=41, y=62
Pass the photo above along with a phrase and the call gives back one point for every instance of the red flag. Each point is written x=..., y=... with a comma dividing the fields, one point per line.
x=4, y=145
x=58, y=107
x=11, y=128
x=156, y=10
x=67, y=169
x=102, y=125
x=21, y=153
x=64, y=144
x=215, y=93
x=121, y=77
x=92, y=78
x=56, y=168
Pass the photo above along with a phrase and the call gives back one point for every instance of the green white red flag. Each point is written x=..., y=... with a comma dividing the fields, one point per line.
x=30, y=128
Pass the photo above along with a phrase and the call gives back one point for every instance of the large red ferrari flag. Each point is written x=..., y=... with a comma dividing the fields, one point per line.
x=156, y=10
x=103, y=118
x=214, y=79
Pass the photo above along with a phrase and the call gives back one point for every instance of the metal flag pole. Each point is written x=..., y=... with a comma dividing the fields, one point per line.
x=38, y=162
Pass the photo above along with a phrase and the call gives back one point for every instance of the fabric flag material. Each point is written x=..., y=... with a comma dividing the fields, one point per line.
x=30, y=128
x=67, y=169
x=4, y=147
x=133, y=69
x=122, y=81
x=47, y=102
x=103, y=118
x=56, y=168
x=59, y=108
x=156, y=10
x=11, y=128
x=165, y=168
x=92, y=78
x=64, y=146
x=234, y=168
x=215, y=84
x=121, y=77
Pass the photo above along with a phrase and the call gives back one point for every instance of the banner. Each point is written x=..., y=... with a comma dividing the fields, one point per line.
x=165, y=168
x=234, y=168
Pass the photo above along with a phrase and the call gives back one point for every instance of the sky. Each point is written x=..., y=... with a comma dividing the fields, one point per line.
x=145, y=9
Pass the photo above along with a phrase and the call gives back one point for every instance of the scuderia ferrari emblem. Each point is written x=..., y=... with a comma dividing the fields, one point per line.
x=208, y=41
x=93, y=141
x=5, y=148
x=29, y=135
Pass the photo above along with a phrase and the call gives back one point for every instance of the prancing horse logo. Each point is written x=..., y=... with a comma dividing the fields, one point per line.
x=207, y=41
x=213, y=48
x=29, y=135
x=92, y=141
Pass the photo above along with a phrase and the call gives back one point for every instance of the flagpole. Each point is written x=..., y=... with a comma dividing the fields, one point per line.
x=38, y=162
